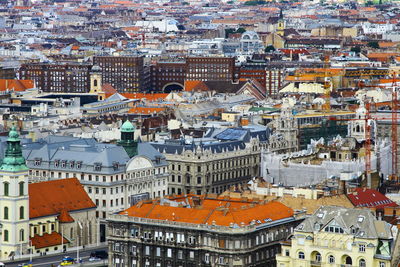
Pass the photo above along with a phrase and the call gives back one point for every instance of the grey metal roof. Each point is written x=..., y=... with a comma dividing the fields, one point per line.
x=363, y=222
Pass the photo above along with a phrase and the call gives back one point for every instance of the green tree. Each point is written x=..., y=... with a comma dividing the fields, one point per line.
x=373, y=44
x=356, y=49
x=269, y=48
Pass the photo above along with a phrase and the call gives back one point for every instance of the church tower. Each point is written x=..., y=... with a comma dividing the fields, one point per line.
x=286, y=125
x=95, y=80
x=128, y=139
x=14, y=200
x=356, y=128
x=281, y=25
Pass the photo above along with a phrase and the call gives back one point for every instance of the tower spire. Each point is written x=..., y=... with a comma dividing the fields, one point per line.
x=13, y=160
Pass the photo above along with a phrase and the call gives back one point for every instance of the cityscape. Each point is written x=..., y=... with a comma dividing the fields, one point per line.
x=209, y=133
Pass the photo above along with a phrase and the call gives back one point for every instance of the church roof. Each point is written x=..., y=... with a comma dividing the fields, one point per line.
x=55, y=197
x=47, y=240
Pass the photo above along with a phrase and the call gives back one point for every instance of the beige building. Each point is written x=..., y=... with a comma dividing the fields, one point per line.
x=336, y=236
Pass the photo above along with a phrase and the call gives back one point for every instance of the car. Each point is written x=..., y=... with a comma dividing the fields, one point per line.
x=25, y=265
x=67, y=261
x=100, y=254
x=94, y=259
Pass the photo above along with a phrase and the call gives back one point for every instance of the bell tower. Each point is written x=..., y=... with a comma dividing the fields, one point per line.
x=281, y=25
x=286, y=125
x=14, y=200
x=95, y=79
x=128, y=139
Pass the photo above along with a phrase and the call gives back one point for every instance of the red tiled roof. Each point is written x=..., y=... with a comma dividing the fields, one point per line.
x=65, y=217
x=370, y=198
x=47, y=240
x=51, y=197
x=213, y=211
x=16, y=85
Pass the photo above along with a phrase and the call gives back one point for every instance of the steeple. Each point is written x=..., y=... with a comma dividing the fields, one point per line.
x=281, y=24
x=128, y=139
x=13, y=160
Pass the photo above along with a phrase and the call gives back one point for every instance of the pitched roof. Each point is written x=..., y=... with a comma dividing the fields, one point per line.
x=16, y=85
x=47, y=240
x=51, y=197
x=370, y=198
x=209, y=210
x=65, y=217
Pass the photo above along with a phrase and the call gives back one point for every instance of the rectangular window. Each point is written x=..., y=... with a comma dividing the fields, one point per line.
x=169, y=253
x=147, y=251
x=361, y=248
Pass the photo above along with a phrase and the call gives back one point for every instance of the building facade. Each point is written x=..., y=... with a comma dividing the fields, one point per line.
x=336, y=236
x=169, y=232
x=168, y=76
x=58, y=78
x=125, y=73
x=210, y=68
x=212, y=167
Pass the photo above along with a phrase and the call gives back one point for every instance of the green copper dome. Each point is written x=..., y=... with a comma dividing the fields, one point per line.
x=127, y=127
x=13, y=160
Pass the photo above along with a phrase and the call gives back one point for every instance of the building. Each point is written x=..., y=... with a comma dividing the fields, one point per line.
x=125, y=73
x=210, y=68
x=58, y=77
x=69, y=221
x=336, y=236
x=44, y=216
x=199, y=231
x=168, y=76
x=14, y=200
x=223, y=159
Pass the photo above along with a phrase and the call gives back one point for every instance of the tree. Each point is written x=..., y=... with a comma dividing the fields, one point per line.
x=269, y=48
x=185, y=3
x=255, y=2
x=373, y=44
x=356, y=49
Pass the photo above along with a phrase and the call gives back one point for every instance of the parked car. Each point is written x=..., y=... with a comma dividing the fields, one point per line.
x=99, y=254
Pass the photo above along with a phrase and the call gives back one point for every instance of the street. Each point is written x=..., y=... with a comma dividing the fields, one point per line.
x=47, y=261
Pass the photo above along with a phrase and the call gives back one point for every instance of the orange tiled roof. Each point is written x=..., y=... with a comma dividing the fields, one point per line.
x=16, y=85
x=217, y=211
x=145, y=110
x=151, y=97
x=47, y=240
x=195, y=86
x=387, y=44
x=51, y=197
x=65, y=217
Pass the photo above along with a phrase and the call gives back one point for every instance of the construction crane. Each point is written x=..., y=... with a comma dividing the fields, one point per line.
x=395, y=108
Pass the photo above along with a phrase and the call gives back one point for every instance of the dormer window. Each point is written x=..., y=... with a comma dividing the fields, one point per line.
x=56, y=163
x=97, y=166
x=115, y=166
x=38, y=162
x=63, y=164
x=79, y=164
x=72, y=164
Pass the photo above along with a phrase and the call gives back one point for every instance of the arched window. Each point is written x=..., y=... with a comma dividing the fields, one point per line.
x=95, y=82
x=21, y=235
x=71, y=233
x=301, y=255
x=362, y=263
x=6, y=188
x=5, y=213
x=331, y=259
x=21, y=212
x=21, y=188
x=5, y=235
x=318, y=257
x=349, y=261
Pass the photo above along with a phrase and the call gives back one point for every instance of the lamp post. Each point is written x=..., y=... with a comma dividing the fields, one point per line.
x=30, y=251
